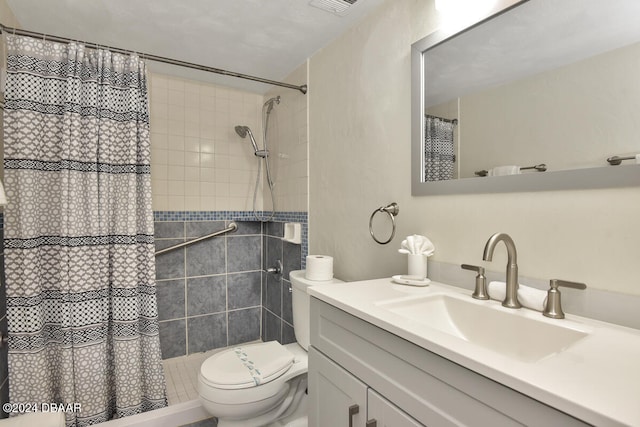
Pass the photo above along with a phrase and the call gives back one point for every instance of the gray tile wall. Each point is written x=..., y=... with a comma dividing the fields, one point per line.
x=209, y=293
x=277, y=314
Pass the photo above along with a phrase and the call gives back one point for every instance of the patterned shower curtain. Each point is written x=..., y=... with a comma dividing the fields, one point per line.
x=438, y=149
x=79, y=253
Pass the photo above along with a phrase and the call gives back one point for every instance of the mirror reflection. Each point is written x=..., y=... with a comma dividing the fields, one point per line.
x=546, y=86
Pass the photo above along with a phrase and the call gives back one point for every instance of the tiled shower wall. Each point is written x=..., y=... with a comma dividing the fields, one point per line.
x=203, y=174
x=277, y=310
x=288, y=140
x=214, y=293
x=198, y=162
x=208, y=293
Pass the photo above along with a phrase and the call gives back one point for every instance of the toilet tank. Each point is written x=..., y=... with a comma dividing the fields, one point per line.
x=300, y=303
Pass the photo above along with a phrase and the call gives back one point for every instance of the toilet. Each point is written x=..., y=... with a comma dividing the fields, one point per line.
x=262, y=384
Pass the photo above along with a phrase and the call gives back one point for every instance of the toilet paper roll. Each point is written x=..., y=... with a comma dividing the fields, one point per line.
x=319, y=267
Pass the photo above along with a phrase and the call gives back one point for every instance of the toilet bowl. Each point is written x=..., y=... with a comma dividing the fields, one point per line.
x=262, y=384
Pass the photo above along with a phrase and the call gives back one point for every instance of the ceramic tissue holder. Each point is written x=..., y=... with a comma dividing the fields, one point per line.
x=417, y=248
x=417, y=266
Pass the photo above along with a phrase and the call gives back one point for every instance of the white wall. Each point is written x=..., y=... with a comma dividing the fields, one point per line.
x=574, y=117
x=7, y=16
x=359, y=143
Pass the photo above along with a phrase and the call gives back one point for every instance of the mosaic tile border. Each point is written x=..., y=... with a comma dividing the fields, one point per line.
x=301, y=217
x=226, y=216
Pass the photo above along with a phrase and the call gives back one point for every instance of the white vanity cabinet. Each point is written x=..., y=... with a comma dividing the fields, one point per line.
x=386, y=414
x=340, y=399
x=398, y=384
x=334, y=394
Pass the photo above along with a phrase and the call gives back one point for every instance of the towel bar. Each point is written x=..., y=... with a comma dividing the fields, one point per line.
x=540, y=168
x=392, y=210
x=616, y=160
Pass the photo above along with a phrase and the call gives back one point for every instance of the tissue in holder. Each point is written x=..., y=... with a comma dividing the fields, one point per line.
x=417, y=244
x=319, y=267
x=529, y=297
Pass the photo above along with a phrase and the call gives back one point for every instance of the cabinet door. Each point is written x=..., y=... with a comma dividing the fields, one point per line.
x=386, y=414
x=336, y=398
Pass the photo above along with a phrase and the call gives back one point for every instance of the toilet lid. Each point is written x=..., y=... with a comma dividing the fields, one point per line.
x=247, y=366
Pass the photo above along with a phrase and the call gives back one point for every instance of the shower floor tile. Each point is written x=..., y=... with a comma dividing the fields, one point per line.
x=181, y=375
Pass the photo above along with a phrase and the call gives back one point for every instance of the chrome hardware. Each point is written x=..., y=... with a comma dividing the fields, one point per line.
x=353, y=410
x=371, y=423
x=232, y=227
x=539, y=168
x=616, y=160
x=277, y=269
x=511, y=297
x=480, y=291
x=147, y=56
x=4, y=339
x=553, y=306
x=392, y=210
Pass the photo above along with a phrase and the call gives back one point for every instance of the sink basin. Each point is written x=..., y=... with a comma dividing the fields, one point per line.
x=513, y=333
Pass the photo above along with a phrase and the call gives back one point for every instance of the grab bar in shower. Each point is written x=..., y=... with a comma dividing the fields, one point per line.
x=616, y=160
x=539, y=168
x=232, y=227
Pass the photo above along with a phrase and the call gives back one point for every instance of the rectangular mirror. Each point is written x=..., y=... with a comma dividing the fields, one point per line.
x=535, y=95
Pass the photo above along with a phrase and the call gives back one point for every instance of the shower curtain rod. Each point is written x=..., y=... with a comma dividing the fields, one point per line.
x=10, y=30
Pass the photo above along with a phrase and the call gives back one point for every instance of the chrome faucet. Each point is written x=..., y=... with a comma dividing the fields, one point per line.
x=511, y=298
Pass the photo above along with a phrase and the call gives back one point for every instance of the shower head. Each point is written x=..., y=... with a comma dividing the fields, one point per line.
x=243, y=131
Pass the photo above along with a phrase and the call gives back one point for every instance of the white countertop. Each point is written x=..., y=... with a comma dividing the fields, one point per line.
x=597, y=379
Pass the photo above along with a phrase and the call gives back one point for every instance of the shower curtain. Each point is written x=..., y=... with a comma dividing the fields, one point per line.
x=79, y=253
x=438, y=149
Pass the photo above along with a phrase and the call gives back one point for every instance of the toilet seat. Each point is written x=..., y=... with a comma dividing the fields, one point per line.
x=246, y=366
x=257, y=384
x=238, y=387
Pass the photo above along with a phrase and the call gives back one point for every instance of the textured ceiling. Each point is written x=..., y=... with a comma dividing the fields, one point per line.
x=264, y=38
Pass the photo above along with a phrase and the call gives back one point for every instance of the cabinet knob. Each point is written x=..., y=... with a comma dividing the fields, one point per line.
x=353, y=410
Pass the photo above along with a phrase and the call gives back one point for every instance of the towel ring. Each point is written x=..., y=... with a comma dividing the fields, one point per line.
x=392, y=210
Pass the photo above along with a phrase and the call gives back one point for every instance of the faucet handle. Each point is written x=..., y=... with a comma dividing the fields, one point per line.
x=475, y=268
x=480, y=291
x=553, y=305
x=554, y=283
